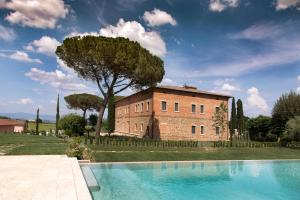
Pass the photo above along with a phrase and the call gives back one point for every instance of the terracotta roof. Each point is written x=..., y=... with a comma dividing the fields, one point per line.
x=192, y=90
x=10, y=122
x=183, y=88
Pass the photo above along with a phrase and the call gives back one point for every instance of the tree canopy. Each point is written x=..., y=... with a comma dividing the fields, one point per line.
x=240, y=117
x=83, y=102
x=72, y=124
x=292, y=130
x=285, y=108
x=219, y=117
x=113, y=63
x=233, y=119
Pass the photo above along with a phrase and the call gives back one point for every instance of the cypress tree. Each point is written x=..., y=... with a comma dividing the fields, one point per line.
x=111, y=113
x=37, y=121
x=57, y=115
x=233, y=119
x=240, y=117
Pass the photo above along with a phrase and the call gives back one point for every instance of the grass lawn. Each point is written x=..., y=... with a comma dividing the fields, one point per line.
x=42, y=126
x=14, y=144
x=109, y=155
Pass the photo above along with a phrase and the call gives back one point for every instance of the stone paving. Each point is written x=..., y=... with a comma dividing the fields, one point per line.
x=42, y=177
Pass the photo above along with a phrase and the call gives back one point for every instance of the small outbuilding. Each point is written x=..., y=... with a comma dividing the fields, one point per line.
x=10, y=125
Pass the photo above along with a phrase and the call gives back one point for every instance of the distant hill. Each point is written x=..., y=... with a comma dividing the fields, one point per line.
x=28, y=116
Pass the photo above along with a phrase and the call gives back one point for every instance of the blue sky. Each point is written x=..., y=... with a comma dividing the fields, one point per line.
x=247, y=48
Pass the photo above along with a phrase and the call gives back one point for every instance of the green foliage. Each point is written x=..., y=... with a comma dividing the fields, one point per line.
x=233, y=120
x=72, y=124
x=111, y=114
x=113, y=63
x=260, y=129
x=240, y=117
x=292, y=130
x=78, y=150
x=219, y=118
x=83, y=102
x=57, y=116
x=285, y=108
x=93, y=120
x=4, y=117
x=94, y=56
x=37, y=121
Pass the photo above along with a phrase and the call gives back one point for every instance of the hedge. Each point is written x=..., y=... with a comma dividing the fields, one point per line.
x=139, y=142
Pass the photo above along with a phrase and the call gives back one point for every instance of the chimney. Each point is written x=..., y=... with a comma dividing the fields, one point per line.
x=189, y=87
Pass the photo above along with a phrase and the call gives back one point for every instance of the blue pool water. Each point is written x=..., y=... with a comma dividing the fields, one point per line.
x=220, y=180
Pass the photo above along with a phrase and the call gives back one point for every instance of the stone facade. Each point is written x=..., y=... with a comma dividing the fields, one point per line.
x=170, y=113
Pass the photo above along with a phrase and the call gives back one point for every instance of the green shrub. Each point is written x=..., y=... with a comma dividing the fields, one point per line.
x=72, y=124
x=292, y=130
x=271, y=137
x=78, y=150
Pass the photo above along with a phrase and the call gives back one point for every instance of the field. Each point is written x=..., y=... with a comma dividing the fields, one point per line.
x=14, y=144
x=42, y=126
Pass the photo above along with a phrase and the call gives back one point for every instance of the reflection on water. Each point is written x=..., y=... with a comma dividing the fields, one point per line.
x=199, y=180
x=288, y=175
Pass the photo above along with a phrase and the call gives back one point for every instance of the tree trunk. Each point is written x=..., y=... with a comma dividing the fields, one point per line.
x=84, y=113
x=100, y=117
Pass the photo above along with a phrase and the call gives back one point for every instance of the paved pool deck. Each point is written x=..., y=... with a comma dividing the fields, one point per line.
x=42, y=178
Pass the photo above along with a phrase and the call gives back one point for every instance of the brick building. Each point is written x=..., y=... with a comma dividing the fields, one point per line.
x=10, y=125
x=171, y=113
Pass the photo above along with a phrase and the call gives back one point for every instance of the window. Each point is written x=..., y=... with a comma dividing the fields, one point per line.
x=193, y=108
x=138, y=107
x=217, y=109
x=135, y=108
x=202, y=130
x=176, y=107
x=142, y=127
x=142, y=107
x=135, y=127
x=193, y=129
x=201, y=109
x=164, y=106
x=147, y=106
x=217, y=130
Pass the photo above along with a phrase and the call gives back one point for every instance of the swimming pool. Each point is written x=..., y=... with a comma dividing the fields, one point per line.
x=198, y=180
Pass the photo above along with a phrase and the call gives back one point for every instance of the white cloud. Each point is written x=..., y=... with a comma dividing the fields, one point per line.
x=251, y=63
x=298, y=78
x=37, y=13
x=224, y=86
x=228, y=87
x=7, y=34
x=281, y=48
x=75, y=33
x=220, y=82
x=168, y=81
x=254, y=100
x=133, y=30
x=64, y=67
x=285, y=4
x=56, y=79
x=23, y=101
x=298, y=89
x=158, y=17
x=221, y=5
x=21, y=56
x=45, y=45
x=259, y=31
